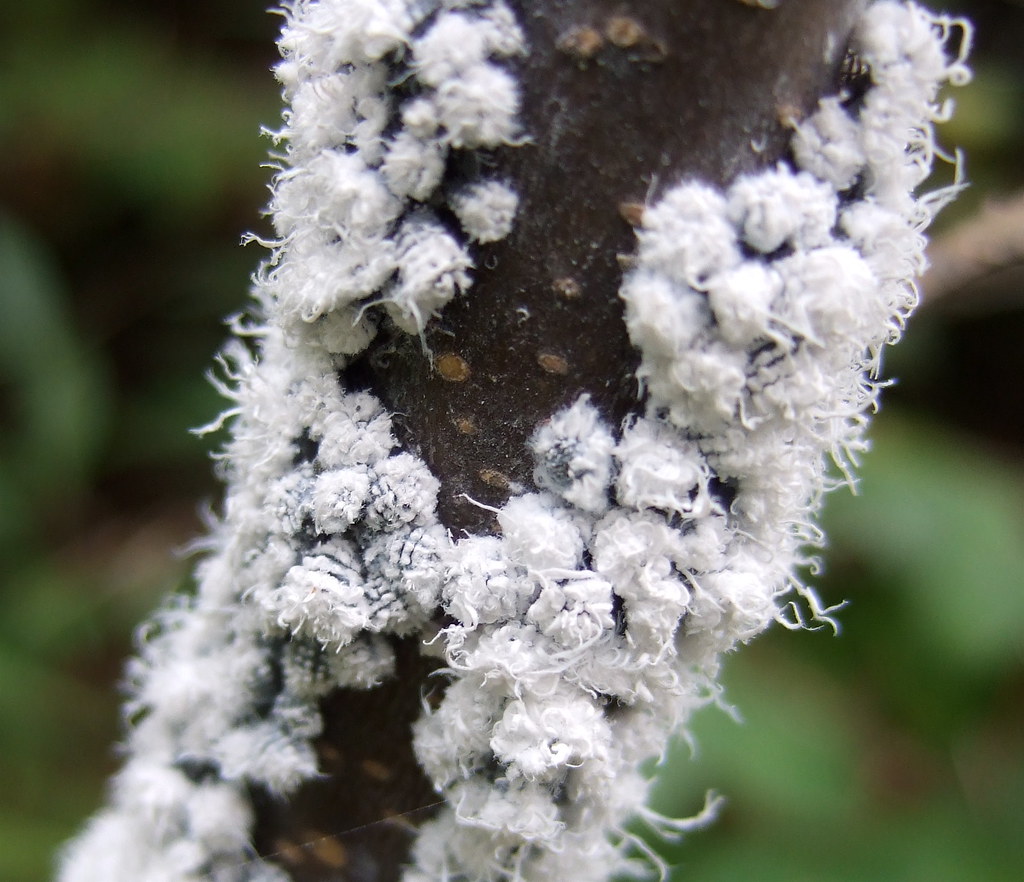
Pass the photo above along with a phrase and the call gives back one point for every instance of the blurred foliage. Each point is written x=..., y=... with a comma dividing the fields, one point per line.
x=895, y=751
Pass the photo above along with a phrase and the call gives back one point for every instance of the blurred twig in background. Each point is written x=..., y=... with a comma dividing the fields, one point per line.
x=965, y=257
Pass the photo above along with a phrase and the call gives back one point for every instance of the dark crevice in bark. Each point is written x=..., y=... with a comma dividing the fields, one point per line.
x=355, y=823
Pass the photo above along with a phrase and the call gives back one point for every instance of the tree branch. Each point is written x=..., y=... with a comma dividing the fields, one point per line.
x=620, y=101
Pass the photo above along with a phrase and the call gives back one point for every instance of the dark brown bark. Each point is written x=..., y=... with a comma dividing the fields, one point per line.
x=355, y=824
x=620, y=100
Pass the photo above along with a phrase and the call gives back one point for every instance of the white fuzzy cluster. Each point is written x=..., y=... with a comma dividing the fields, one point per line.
x=593, y=625
x=329, y=538
x=760, y=311
x=565, y=668
x=365, y=162
x=328, y=543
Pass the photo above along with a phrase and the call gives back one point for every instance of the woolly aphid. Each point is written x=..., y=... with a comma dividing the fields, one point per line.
x=646, y=552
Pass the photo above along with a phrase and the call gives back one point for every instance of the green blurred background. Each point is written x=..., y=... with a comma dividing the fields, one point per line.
x=132, y=168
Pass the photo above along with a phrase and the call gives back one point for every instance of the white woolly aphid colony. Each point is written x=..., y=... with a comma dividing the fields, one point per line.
x=759, y=313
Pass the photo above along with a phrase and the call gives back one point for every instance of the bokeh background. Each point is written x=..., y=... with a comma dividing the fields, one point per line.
x=131, y=168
